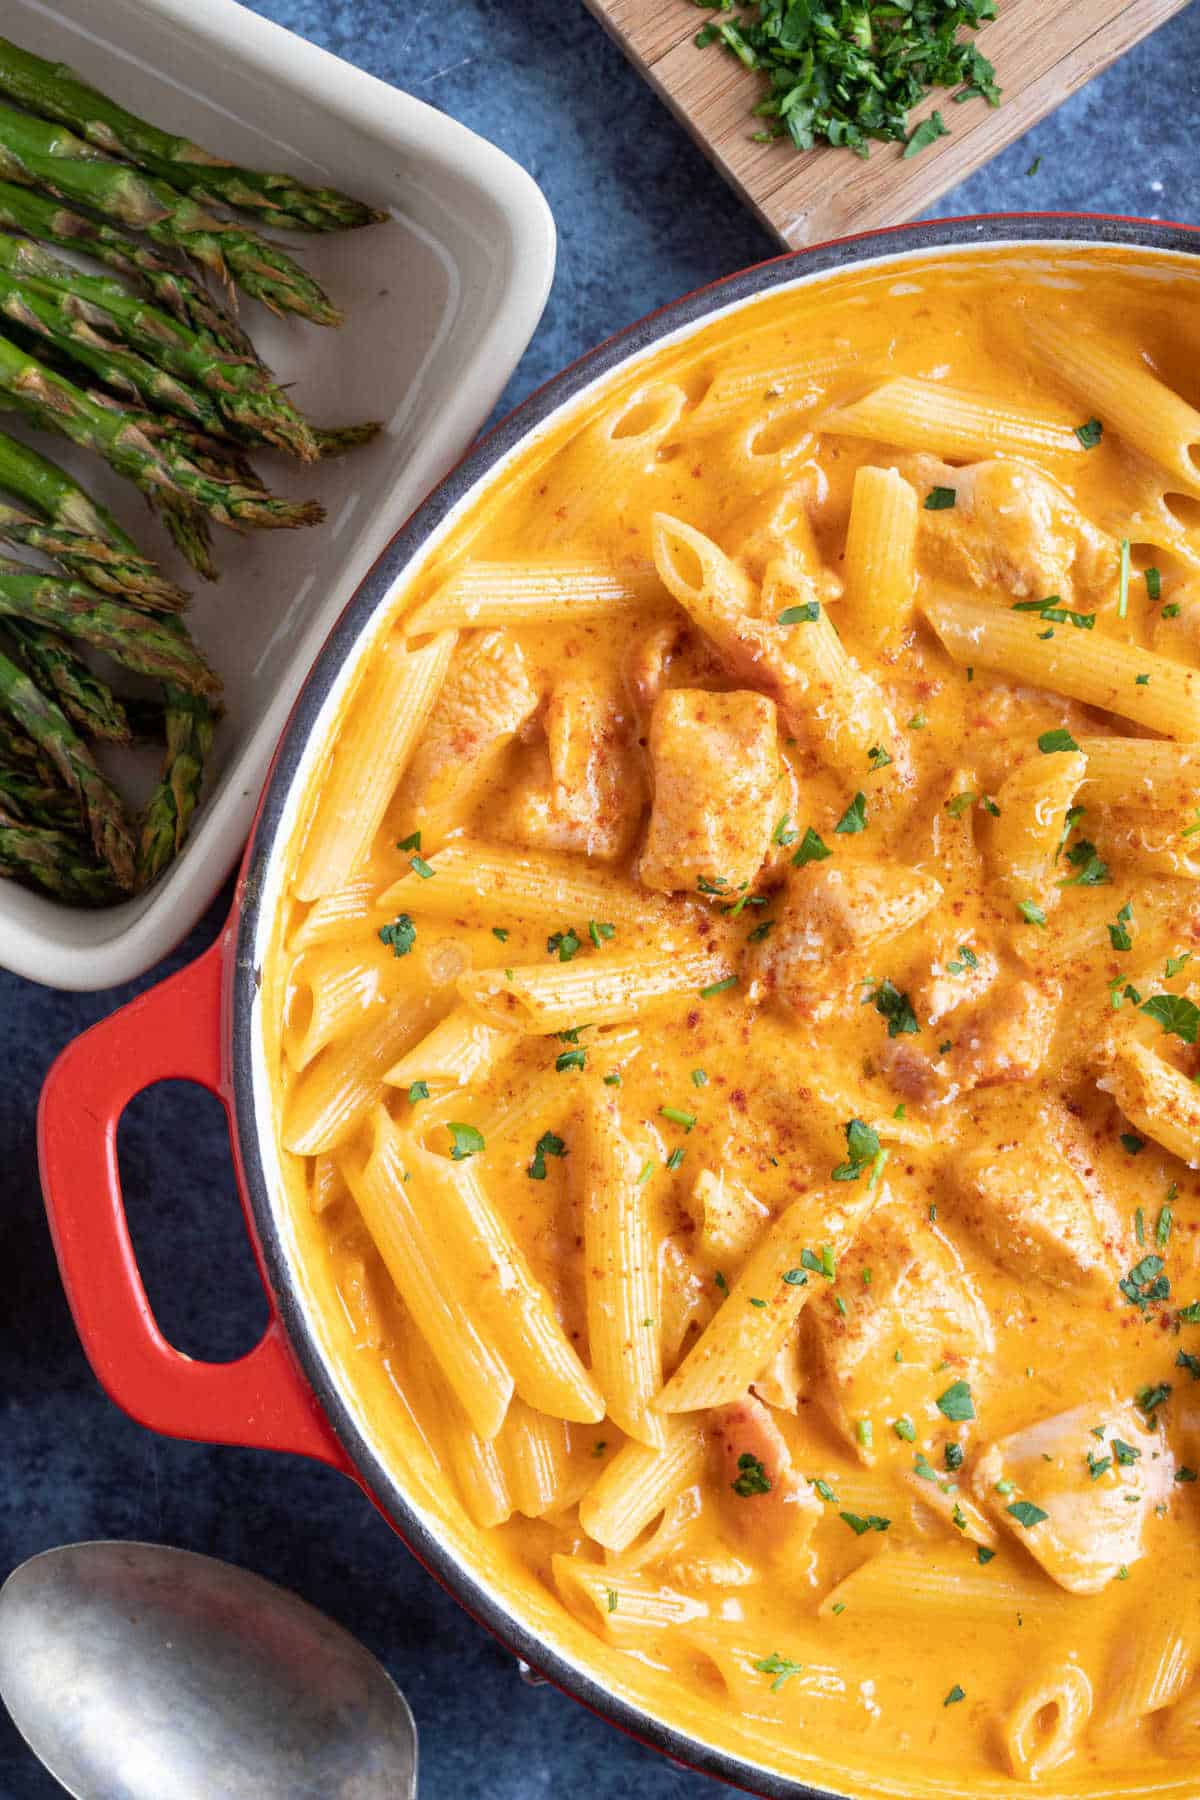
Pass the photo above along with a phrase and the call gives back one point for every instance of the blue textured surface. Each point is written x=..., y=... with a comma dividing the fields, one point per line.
x=641, y=218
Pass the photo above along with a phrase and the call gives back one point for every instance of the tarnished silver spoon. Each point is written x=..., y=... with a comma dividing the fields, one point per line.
x=137, y=1672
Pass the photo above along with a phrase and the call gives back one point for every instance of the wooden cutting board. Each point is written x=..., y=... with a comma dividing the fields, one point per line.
x=1043, y=50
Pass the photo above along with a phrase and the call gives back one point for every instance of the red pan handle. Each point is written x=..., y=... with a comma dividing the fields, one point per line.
x=263, y=1400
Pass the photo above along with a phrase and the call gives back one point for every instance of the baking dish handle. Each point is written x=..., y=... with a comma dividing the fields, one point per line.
x=262, y=1400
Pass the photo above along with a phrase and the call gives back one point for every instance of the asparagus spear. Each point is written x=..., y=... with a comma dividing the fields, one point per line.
x=236, y=387
x=37, y=803
x=18, y=751
x=157, y=273
x=160, y=471
x=55, y=91
x=84, y=535
x=87, y=700
x=46, y=155
x=168, y=813
x=104, y=810
x=157, y=647
x=54, y=861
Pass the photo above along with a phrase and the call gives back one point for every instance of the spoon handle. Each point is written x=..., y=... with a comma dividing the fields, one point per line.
x=263, y=1400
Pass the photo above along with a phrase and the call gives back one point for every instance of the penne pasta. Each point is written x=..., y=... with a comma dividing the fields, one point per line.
x=493, y=1275
x=1096, y=670
x=622, y=1605
x=607, y=990
x=473, y=878
x=624, y=1330
x=892, y=1582
x=456, y=1052
x=764, y=1303
x=931, y=415
x=639, y=1483
x=1141, y=772
x=1154, y=1096
x=339, y=915
x=1153, y=1662
x=336, y=990
x=479, y=1473
x=502, y=595
x=394, y=700
x=1045, y=1728
x=1133, y=403
x=881, y=550
x=335, y=1094
x=431, y=1290
x=535, y=1452
x=1030, y=827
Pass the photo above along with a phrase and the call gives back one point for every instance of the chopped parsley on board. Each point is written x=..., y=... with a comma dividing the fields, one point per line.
x=844, y=74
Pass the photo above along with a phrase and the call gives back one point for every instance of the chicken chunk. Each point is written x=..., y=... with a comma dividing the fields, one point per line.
x=715, y=760
x=583, y=790
x=727, y=1215
x=769, y=1503
x=1082, y=1526
x=1011, y=527
x=488, y=696
x=1024, y=1202
x=918, y=1301
x=830, y=913
x=1008, y=1037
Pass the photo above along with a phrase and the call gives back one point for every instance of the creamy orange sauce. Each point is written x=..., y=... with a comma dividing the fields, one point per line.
x=944, y=1539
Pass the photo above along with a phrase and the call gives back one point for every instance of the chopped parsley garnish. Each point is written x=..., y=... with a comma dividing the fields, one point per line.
x=1118, y=934
x=953, y=1457
x=825, y=1264
x=801, y=615
x=1090, y=871
x=918, y=722
x=498, y=931
x=613, y=1079
x=718, y=987
x=878, y=757
x=1126, y=1454
x=418, y=1090
x=1185, y=1360
x=1053, y=612
x=699, y=1078
x=401, y=934
x=956, y=1402
x=896, y=1008
x=860, y=1526
x=466, y=1140
x=1172, y=611
x=823, y=1488
x=720, y=1283
x=547, y=1145
x=862, y=1147
x=1149, y=1399
x=955, y=1695
x=647, y=1171
x=1185, y=1474
x=676, y=1157
x=1175, y=1014
x=855, y=816
x=612, y=1599
x=778, y=1666
x=1060, y=739
x=795, y=1277
x=923, y=1467
x=1135, y=1146
x=565, y=943
x=1032, y=912
x=1153, y=580
x=410, y=843
x=760, y=931
x=957, y=805
x=926, y=133
x=1098, y=1465
x=966, y=959
x=420, y=867
x=1190, y=1314
x=983, y=1555
x=752, y=1478
x=1026, y=1513
x=1145, y=1283
x=783, y=835
x=1089, y=433
x=849, y=73
x=904, y=1428
x=570, y=1059
x=940, y=499
x=598, y=932
x=812, y=849
x=677, y=1116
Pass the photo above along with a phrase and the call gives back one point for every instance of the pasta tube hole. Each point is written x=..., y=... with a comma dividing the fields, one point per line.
x=650, y=415
x=1184, y=509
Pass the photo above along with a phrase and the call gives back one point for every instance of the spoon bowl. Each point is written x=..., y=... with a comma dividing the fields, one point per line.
x=138, y=1672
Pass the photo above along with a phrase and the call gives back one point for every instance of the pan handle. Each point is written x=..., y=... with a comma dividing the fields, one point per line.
x=263, y=1400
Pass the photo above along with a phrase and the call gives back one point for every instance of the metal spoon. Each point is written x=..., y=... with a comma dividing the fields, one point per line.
x=136, y=1672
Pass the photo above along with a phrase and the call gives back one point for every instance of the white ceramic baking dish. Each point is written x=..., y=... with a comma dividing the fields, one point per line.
x=441, y=302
